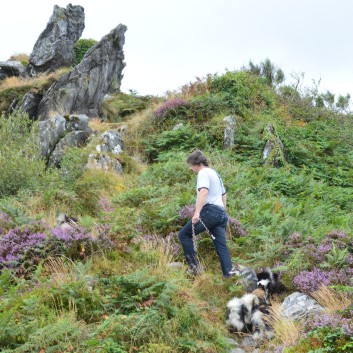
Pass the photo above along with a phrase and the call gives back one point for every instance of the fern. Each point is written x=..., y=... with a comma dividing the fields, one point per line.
x=66, y=333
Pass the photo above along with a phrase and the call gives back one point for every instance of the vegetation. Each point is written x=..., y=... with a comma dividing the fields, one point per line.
x=107, y=286
x=81, y=47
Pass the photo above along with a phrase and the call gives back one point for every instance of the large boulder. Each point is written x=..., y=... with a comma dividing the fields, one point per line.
x=83, y=89
x=111, y=141
x=110, y=145
x=55, y=46
x=298, y=306
x=273, y=153
x=11, y=68
x=229, y=131
x=58, y=133
x=30, y=103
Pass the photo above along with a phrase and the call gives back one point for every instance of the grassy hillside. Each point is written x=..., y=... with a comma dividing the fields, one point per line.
x=106, y=285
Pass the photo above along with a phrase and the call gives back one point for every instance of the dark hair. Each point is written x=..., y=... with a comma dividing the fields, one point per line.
x=197, y=158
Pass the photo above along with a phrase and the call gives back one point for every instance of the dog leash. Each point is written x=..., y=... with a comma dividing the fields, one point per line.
x=194, y=240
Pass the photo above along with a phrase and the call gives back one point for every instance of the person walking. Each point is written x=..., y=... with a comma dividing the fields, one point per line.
x=210, y=214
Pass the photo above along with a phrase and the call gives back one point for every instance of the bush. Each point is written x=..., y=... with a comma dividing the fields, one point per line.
x=23, y=248
x=81, y=47
x=184, y=138
x=121, y=105
x=22, y=167
x=243, y=92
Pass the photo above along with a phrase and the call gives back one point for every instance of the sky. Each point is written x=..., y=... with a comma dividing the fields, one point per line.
x=170, y=43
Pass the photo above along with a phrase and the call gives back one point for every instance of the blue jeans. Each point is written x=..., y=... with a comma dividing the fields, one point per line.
x=215, y=219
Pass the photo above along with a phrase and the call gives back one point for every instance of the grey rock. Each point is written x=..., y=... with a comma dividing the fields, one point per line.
x=111, y=141
x=236, y=350
x=175, y=265
x=55, y=46
x=273, y=153
x=104, y=162
x=11, y=68
x=177, y=126
x=73, y=138
x=49, y=134
x=229, y=131
x=299, y=306
x=248, y=341
x=83, y=89
x=30, y=103
x=58, y=133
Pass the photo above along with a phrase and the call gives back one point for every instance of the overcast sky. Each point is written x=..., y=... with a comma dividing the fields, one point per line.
x=171, y=42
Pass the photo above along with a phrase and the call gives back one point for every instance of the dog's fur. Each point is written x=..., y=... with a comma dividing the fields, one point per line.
x=266, y=279
x=269, y=282
x=245, y=314
x=248, y=276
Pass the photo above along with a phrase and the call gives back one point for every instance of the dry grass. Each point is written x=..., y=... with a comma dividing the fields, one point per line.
x=62, y=270
x=286, y=330
x=97, y=124
x=331, y=300
x=38, y=81
x=161, y=251
x=21, y=57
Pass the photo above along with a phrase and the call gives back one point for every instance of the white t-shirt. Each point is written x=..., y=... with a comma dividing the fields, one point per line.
x=210, y=179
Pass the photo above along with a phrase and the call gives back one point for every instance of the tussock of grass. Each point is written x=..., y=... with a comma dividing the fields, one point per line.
x=287, y=331
x=43, y=80
x=62, y=270
x=331, y=300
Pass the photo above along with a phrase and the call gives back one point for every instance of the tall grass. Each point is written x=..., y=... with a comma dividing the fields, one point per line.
x=331, y=299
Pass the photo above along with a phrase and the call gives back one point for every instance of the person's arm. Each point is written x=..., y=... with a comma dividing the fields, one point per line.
x=224, y=200
x=201, y=199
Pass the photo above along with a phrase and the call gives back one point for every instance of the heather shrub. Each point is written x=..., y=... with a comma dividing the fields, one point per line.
x=5, y=223
x=171, y=111
x=328, y=263
x=23, y=248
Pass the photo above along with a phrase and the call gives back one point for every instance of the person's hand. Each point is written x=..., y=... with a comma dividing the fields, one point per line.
x=195, y=218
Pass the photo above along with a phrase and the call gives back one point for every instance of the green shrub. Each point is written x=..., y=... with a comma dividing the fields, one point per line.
x=22, y=167
x=184, y=138
x=81, y=47
x=121, y=105
x=73, y=165
x=243, y=92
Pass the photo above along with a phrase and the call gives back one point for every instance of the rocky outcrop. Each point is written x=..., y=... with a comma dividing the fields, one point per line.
x=104, y=162
x=58, y=133
x=30, y=103
x=111, y=141
x=110, y=145
x=229, y=131
x=55, y=46
x=83, y=89
x=273, y=153
x=11, y=68
x=299, y=306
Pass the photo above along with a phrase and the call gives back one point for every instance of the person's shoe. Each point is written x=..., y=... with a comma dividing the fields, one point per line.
x=234, y=270
x=193, y=271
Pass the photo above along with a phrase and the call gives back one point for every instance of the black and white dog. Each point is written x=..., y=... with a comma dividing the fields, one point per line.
x=246, y=314
x=269, y=282
x=266, y=279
